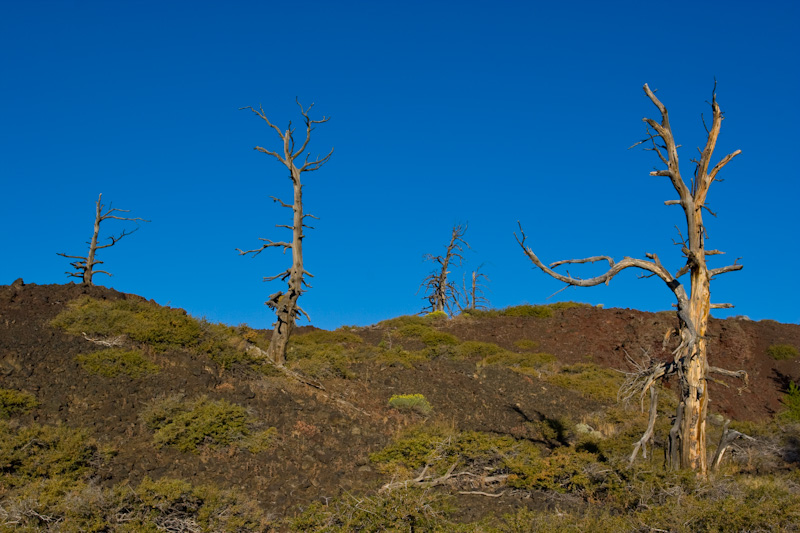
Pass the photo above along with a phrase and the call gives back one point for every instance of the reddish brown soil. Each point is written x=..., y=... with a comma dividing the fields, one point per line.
x=323, y=444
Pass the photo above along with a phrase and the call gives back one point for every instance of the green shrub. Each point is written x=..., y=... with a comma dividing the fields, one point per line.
x=438, y=449
x=113, y=362
x=590, y=380
x=526, y=310
x=567, y=305
x=14, y=402
x=470, y=349
x=399, y=357
x=324, y=354
x=404, y=320
x=783, y=351
x=428, y=335
x=524, y=363
x=402, y=510
x=189, y=424
x=411, y=402
x=527, y=345
x=38, y=452
x=436, y=316
x=160, y=327
x=791, y=402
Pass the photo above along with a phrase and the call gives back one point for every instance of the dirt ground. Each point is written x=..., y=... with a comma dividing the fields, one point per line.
x=325, y=438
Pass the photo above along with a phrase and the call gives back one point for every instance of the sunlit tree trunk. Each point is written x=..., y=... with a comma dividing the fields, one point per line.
x=285, y=304
x=687, y=439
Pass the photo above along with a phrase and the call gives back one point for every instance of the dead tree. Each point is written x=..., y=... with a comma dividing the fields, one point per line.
x=687, y=438
x=85, y=265
x=442, y=295
x=285, y=304
x=475, y=297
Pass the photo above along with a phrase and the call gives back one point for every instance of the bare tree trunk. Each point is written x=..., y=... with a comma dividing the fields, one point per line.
x=285, y=304
x=443, y=294
x=687, y=439
x=85, y=265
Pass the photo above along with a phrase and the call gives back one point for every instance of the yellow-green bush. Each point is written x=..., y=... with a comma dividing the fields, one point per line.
x=783, y=351
x=411, y=402
x=46, y=484
x=404, y=320
x=527, y=345
x=113, y=362
x=439, y=448
x=14, y=402
x=524, y=363
x=590, y=380
x=324, y=354
x=471, y=349
x=791, y=403
x=402, y=510
x=189, y=424
x=428, y=335
x=160, y=327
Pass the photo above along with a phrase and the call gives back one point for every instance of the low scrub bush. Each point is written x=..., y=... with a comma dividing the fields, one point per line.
x=526, y=310
x=483, y=453
x=781, y=352
x=476, y=349
x=160, y=327
x=567, y=305
x=791, y=403
x=116, y=361
x=428, y=335
x=399, y=510
x=397, y=356
x=37, y=452
x=15, y=402
x=324, y=354
x=411, y=402
x=189, y=424
x=524, y=363
x=590, y=380
x=527, y=345
x=404, y=320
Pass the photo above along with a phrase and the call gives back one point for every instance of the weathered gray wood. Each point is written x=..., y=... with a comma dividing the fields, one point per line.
x=85, y=265
x=285, y=304
x=442, y=294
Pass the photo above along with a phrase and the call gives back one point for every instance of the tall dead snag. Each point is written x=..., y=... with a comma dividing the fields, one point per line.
x=285, y=304
x=442, y=295
x=85, y=265
x=687, y=439
x=474, y=295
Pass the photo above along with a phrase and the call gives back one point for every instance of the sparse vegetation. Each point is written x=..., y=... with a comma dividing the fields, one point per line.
x=189, y=424
x=791, y=402
x=113, y=362
x=589, y=379
x=324, y=354
x=411, y=402
x=781, y=352
x=524, y=363
x=160, y=327
x=15, y=402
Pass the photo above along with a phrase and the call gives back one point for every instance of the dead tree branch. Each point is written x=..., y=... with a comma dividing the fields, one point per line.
x=285, y=306
x=689, y=359
x=85, y=265
x=443, y=295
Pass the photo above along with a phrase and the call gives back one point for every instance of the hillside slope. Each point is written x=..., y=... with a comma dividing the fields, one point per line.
x=325, y=432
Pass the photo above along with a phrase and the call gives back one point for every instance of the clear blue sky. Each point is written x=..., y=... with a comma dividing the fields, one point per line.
x=441, y=112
